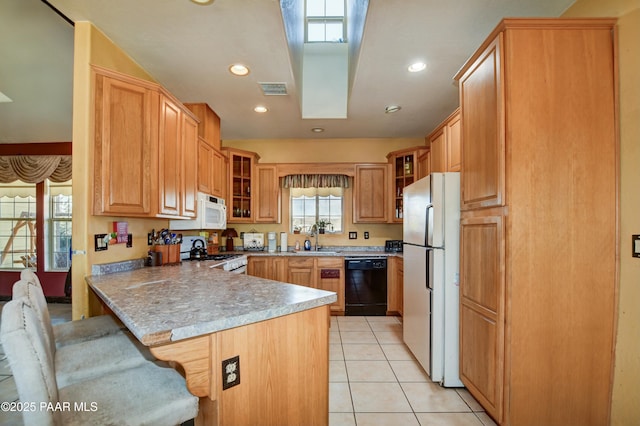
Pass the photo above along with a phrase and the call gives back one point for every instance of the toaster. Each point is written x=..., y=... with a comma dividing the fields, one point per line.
x=253, y=241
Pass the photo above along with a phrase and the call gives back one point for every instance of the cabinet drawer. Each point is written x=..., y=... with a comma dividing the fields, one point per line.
x=305, y=262
x=332, y=262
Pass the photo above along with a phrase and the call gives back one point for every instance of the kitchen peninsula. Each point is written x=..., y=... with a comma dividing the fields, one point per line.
x=200, y=317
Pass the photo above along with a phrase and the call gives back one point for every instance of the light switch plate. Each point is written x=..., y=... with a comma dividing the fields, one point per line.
x=635, y=245
x=353, y=235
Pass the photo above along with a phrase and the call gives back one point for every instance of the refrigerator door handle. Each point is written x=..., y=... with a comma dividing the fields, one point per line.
x=429, y=226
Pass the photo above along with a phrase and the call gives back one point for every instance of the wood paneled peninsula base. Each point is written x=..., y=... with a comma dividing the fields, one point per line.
x=198, y=318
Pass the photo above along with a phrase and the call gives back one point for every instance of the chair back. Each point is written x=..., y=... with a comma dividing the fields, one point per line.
x=30, y=276
x=34, y=294
x=30, y=360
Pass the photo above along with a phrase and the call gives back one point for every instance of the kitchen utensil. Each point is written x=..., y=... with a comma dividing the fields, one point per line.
x=198, y=250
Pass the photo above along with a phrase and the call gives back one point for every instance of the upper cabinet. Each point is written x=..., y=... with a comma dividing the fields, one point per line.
x=405, y=170
x=268, y=194
x=145, y=147
x=125, y=182
x=371, y=193
x=241, y=185
x=444, y=142
x=212, y=163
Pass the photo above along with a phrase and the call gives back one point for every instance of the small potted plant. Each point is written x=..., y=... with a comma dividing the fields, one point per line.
x=321, y=225
x=296, y=229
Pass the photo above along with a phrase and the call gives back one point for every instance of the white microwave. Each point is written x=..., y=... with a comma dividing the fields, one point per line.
x=212, y=214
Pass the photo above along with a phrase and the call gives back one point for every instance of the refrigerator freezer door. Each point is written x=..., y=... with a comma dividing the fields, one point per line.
x=416, y=329
x=416, y=199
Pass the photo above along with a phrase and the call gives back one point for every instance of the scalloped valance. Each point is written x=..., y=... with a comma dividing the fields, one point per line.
x=35, y=168
x=315, y=181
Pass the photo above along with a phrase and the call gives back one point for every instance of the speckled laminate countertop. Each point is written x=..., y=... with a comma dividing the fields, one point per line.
x=327, y=253
x=169, y=303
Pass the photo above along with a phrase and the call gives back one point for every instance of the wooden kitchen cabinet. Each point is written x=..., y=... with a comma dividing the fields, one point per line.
x=539, y=194
x=424, y=164
x=125, y=145
x=445, y=145
x=219, y=185
x=209, y=126
x=395, y=278
x=212, y=170
x=177, y=151
x=302, y=271
x=145, y=149
x=371, y=193
x=212, y=165
x=268, y=194
x=405, y=170
x=482, y=309
x=240, y=203
x=269, y=267
x=330, y=277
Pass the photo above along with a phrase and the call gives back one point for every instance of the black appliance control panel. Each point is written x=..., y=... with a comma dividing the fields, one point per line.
x=393, y=246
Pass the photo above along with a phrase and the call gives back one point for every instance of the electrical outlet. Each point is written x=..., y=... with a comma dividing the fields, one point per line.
x=366, y=235
x=149, y=239
x=231, y=372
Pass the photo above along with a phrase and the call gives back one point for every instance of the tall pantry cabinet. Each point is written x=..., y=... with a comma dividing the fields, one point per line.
x=538, y=269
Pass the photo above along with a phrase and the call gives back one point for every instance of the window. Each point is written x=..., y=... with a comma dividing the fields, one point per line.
x=311, y=205
x=325, y=21
x=18, y=225
x=58, y=225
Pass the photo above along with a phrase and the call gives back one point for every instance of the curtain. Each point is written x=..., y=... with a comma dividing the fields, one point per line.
x=35, y=168
x=315, y=181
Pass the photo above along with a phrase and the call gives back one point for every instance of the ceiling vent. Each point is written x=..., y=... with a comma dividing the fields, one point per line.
x=274, y=89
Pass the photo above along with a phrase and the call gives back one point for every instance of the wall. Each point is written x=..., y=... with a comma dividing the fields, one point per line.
x=625, y=407
x=362, y=150
x=92, y=47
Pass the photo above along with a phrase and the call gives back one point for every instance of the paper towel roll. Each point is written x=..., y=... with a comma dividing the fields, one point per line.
x=283, y=242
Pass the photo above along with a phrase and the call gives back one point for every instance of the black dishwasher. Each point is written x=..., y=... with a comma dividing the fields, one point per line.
x=365, y=286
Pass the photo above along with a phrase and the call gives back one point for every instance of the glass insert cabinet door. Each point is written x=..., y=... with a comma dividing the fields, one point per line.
x=403, y=176
x=241, y=176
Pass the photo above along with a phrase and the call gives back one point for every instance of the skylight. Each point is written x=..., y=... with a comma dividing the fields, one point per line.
x=325, y=21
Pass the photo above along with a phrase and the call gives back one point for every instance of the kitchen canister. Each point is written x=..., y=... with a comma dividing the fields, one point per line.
x=283, y=241
x=271, y=240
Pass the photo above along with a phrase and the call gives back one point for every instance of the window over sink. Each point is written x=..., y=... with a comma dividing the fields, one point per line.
x=310, y=206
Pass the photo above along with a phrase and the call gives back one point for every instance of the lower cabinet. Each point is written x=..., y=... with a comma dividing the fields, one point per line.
x=330, y=277
x=325, y=273
x=269, y=267
x=395, y=277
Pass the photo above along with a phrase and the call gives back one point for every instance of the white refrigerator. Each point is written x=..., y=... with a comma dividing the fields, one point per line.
x=431, y=252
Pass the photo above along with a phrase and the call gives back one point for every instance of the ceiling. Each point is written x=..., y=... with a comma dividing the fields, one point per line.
x=188, y=49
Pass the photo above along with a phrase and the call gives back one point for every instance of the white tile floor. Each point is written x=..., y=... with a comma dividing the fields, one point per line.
x=375, y=380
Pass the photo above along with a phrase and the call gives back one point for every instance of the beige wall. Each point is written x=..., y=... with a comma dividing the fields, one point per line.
x=362, y=150
x=92, y=47
x=625, y=407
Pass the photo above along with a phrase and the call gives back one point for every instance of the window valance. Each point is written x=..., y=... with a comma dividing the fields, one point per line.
x=314, y=181
x=35, y=168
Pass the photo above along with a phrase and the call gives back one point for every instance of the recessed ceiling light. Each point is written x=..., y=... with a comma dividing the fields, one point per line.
x=317, y=130
x=202, y=2
x=239, y=69
x=417, y=67
x=392, y=108
x=260, y=109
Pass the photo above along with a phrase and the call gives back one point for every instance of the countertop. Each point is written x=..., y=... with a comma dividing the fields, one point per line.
x=169, y=303
x=323, y=252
